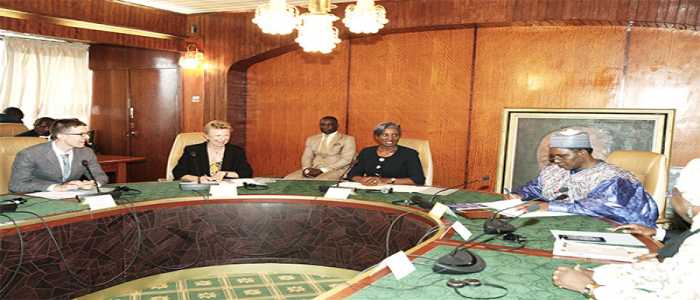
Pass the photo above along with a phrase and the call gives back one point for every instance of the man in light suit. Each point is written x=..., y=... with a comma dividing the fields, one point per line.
x=327, y=155
x=58, y=164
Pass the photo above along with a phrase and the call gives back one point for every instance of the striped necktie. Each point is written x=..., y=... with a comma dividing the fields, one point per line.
x=65, y=159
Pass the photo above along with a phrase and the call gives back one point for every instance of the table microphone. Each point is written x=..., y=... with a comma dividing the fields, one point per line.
x=498, y=226
x=428, y=204
x=324, y=188
x=463, y=261
x=87, y=167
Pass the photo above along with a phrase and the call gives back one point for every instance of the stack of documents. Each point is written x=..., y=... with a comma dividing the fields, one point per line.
x=598, y=245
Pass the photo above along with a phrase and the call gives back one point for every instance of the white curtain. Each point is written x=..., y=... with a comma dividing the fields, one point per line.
x=45, y=79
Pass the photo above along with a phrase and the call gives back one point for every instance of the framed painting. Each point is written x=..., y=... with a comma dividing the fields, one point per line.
x=525, y=136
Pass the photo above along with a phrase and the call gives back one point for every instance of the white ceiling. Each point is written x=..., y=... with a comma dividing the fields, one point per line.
x=204, y=6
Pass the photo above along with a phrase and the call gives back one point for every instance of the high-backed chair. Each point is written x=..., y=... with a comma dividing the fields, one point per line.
x=9, y=146
x=182, y=140
x=652, y=170
x=426, y=157
x=12, y=129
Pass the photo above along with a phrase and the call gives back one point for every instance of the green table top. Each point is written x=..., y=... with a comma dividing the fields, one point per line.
x=525, y=277
x=536, y=230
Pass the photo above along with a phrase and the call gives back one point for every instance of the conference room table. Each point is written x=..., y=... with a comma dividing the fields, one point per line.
x=160, y=225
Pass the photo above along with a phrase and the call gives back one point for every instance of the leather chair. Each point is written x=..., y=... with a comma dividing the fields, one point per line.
x=181, y=141
x=9, y=146
x=12, y=129
x=652, y=170
x=426, y=157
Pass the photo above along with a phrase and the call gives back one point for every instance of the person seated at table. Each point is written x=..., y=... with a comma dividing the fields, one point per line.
x=326, y=155
x=41, y=127
x=575, y=182
x=57, y=165
x=11, y=115
x=674, y=277
x=214, y=159
x=388, y=162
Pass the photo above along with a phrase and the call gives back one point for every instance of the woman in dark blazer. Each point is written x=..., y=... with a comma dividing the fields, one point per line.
x=387, y=163
x=213, y=160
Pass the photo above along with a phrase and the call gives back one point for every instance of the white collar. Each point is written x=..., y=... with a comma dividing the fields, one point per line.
x=59, y=151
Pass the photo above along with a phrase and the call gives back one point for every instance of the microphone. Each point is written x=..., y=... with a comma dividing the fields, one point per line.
x=498, y=226
x=422, y=203
x=463, y=261
x=86, y=165
x=324, y=188
x=10, y=205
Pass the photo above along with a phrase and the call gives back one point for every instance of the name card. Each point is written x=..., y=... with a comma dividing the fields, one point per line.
x=224, y=189
x=338, y=193
x=399, y=264
x=100, y=201
x=438, y=210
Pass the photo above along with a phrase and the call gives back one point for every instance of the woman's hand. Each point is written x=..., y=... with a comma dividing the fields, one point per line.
x=371, y=180
x=219, y=176
x=575, y=279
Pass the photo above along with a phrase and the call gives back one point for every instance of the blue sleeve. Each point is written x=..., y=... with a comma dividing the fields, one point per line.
x=621, y=200
x=531, y=190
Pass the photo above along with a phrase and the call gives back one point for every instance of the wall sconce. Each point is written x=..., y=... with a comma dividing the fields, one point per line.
x=192, y=59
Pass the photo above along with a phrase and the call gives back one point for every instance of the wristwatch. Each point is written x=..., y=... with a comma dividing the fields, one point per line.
x=392, y=180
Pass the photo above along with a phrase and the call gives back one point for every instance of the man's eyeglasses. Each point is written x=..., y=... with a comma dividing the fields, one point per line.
x=85, y=134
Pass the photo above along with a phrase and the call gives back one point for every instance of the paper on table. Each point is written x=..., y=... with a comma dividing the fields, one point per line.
x=68, y=194
x=619, y=239
x=436, y=190
x=503, y=204
x=396, y=187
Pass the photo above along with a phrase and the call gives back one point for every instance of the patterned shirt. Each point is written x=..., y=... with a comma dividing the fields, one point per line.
x=604, y=190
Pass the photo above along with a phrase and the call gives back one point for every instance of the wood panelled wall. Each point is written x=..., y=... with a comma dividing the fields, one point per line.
x=102, y=12
x=450, y=86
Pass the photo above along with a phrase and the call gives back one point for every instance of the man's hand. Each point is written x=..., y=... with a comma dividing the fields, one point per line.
x=85, y=184
x=635, y=229
x=511, y=196
x=311, y=172
x=68, y=186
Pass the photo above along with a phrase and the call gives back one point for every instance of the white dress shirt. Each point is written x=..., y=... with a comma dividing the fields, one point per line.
x=59, y=155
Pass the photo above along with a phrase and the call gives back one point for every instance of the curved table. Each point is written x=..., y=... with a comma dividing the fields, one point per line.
x=165, y=229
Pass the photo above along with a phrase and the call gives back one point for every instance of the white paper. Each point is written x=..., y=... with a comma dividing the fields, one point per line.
x=396, y=187
x=399, y=264
x=438, y=210
x=224, y=189
x=461, y=230
x=433, y=190
x=503, y=204
x=100, y=201
x=337, y=193
x=611, y=238
x=597, y=251
x=68, y=194
x=241, y=181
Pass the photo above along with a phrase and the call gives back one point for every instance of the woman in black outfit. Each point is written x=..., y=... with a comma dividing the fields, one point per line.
x=387, y=163
x=214, y=159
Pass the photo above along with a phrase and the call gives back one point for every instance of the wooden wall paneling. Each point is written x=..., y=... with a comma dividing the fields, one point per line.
x=157, y=116
x=549, y=67
x=192, y=100
x=663, y=73
x=420, y=80
x=287, y=95
x=109, y=111
x=105, y=12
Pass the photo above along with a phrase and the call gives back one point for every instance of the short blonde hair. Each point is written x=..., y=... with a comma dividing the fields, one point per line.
x=216, y=124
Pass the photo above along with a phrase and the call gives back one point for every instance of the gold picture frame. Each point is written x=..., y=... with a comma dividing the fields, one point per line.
x=525, y=132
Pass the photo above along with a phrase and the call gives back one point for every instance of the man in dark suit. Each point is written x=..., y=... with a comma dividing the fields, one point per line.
x=11, y=115
x=57, y=165
x=41, y=127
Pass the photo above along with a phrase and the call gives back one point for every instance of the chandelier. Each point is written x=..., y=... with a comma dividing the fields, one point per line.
x=316, y=32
